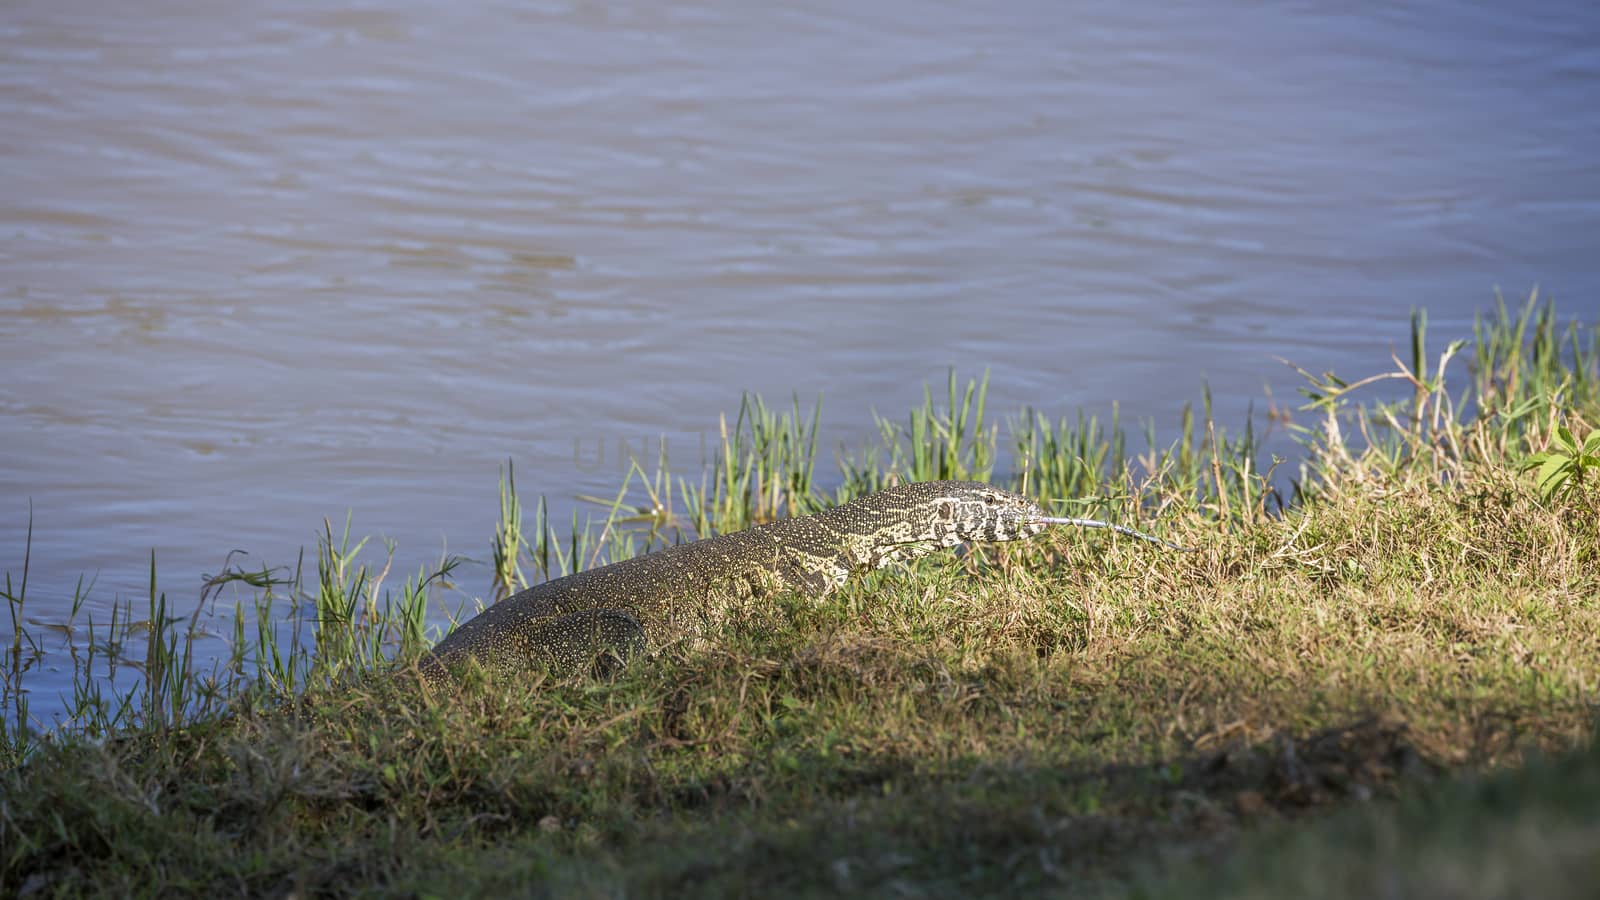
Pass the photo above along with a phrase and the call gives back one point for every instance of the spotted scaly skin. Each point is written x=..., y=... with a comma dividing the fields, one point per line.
x=687, y=591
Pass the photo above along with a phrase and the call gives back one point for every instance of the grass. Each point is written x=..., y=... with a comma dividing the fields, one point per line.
x=1528, y=832
x=1378, y=675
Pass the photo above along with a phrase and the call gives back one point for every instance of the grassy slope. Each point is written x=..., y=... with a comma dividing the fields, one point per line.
x=1079, y=714
x=1048, y=715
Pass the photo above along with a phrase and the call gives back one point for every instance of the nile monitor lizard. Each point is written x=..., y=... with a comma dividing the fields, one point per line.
x=687, y=590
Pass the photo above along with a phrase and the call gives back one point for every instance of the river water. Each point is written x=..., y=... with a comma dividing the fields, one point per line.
x=264, y=263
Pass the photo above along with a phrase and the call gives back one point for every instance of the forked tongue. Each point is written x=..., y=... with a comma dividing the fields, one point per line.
x=1120, y=529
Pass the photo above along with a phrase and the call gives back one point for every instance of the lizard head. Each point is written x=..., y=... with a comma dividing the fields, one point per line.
x=959, y=512
x=912, y=520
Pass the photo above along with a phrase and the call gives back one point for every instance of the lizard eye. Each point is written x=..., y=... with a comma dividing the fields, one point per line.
x=946, y=510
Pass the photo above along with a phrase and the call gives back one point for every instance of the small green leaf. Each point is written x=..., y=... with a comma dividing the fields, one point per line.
x=1552, y=475
x=1533, y=462
x=1564, y=438
x=1591, y=444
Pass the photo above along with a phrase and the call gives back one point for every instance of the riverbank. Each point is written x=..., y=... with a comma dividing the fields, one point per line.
x=1389, y=677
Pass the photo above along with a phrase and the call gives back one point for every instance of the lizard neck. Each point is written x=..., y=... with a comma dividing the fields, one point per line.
x=812, y=558
x=862, y=535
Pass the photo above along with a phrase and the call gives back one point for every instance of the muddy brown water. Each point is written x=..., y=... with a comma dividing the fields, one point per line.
x=267, y=263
